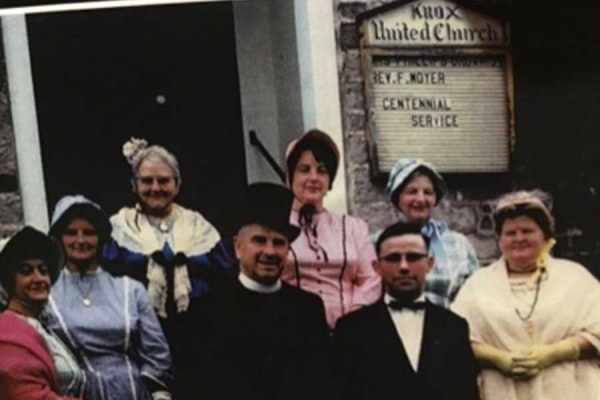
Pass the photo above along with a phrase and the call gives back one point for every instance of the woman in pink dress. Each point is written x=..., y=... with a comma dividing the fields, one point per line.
x=332, y=257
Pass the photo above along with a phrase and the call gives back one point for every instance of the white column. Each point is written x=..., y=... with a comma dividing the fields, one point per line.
x=315, y=31
x=257, y=85
x=22, y=104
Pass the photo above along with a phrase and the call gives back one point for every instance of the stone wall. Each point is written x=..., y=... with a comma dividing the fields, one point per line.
x=556, y=86
x=469, y=214
x=11, y=213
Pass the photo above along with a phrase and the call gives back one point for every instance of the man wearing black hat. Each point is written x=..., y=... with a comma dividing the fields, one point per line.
x=404, y=347
x=260, y=338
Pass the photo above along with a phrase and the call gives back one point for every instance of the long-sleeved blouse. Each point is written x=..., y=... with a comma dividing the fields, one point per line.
x=110, y=324
x=333, y=259
x=568, y=304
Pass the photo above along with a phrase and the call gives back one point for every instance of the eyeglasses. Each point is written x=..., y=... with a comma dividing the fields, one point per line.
x=161, y=180
x=410, y=257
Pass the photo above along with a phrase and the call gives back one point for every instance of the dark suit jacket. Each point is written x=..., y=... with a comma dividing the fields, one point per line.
x=371, y=363
x=251, y=346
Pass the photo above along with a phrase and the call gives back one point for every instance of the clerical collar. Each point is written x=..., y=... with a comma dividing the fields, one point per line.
x=251, y=284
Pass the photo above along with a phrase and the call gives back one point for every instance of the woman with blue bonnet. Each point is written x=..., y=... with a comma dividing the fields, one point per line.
x=107, y=322
x=415, y=188
x=175, y=252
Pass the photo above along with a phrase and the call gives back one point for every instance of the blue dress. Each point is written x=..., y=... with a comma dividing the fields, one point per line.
x=110, y=325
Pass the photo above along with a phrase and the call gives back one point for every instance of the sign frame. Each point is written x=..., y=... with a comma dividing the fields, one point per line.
x=369, y=52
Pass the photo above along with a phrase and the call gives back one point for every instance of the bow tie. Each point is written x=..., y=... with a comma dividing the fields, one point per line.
x=406, y=305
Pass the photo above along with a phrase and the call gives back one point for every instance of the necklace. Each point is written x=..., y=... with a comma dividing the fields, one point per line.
x=164, y=225
x=85, y=295
x=535, y=300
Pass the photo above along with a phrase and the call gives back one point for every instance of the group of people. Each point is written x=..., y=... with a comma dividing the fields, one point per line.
x=152, y=304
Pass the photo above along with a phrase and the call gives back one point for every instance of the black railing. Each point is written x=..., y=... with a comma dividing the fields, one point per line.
x=255, y=141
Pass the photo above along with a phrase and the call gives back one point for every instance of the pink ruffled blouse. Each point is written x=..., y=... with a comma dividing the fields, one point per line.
x=333, y=259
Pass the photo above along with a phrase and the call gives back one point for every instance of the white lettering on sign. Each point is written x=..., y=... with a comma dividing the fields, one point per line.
x=416, y=103
x=434, y=22
x=411, y=78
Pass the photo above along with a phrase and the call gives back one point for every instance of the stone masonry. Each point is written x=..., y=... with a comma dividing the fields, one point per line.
x=11, y=214
x=470, y=215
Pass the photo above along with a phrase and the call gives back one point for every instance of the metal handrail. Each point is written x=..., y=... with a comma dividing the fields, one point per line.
x=255, y=141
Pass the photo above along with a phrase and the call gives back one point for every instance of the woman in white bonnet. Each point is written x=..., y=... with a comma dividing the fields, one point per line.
x=415, y=188
x=174, y=251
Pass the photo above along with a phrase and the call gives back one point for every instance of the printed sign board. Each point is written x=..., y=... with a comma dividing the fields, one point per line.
x=438, y=87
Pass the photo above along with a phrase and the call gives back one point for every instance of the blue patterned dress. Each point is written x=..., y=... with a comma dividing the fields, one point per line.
x=455, y=260
x=115, y=333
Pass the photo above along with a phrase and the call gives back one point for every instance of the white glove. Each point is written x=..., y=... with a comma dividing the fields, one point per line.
x=161, y=395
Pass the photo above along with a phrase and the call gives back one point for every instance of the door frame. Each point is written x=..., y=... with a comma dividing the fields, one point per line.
x=318, y=106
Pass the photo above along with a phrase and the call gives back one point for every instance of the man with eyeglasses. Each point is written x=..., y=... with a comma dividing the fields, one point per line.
x=403, y=346
x=260, y=339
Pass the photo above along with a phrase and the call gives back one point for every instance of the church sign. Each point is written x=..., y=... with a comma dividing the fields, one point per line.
x=438, y=84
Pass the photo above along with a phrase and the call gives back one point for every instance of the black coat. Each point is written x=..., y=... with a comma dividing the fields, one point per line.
x=371, y=362
x=247, y=345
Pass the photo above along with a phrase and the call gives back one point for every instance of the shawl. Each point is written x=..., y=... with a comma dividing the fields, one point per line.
x=26, y=367
x=568, y=305
x=191, y=235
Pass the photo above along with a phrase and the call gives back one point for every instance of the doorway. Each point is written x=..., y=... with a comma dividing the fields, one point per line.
x=167, y=74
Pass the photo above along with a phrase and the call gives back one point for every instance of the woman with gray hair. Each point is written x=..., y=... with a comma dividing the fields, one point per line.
x=174, y=251
x=534, y=319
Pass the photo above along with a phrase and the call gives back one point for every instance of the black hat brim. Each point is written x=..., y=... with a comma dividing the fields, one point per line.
x=28, y=243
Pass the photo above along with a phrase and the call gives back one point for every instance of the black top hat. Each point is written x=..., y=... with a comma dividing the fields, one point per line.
x=26, y=244
x=270, y=205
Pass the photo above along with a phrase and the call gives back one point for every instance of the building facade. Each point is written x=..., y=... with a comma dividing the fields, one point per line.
x=295, y=65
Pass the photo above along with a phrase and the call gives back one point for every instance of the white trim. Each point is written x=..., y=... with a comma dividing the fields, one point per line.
x=126, y=312
x=24, y=118
x=95, y=5
x=66, y=329
x=83, y=385
x=130, y=373
x=74, y=346
x=100, y=384
x=155, y=379
x=315, y=32
x=127, y=338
